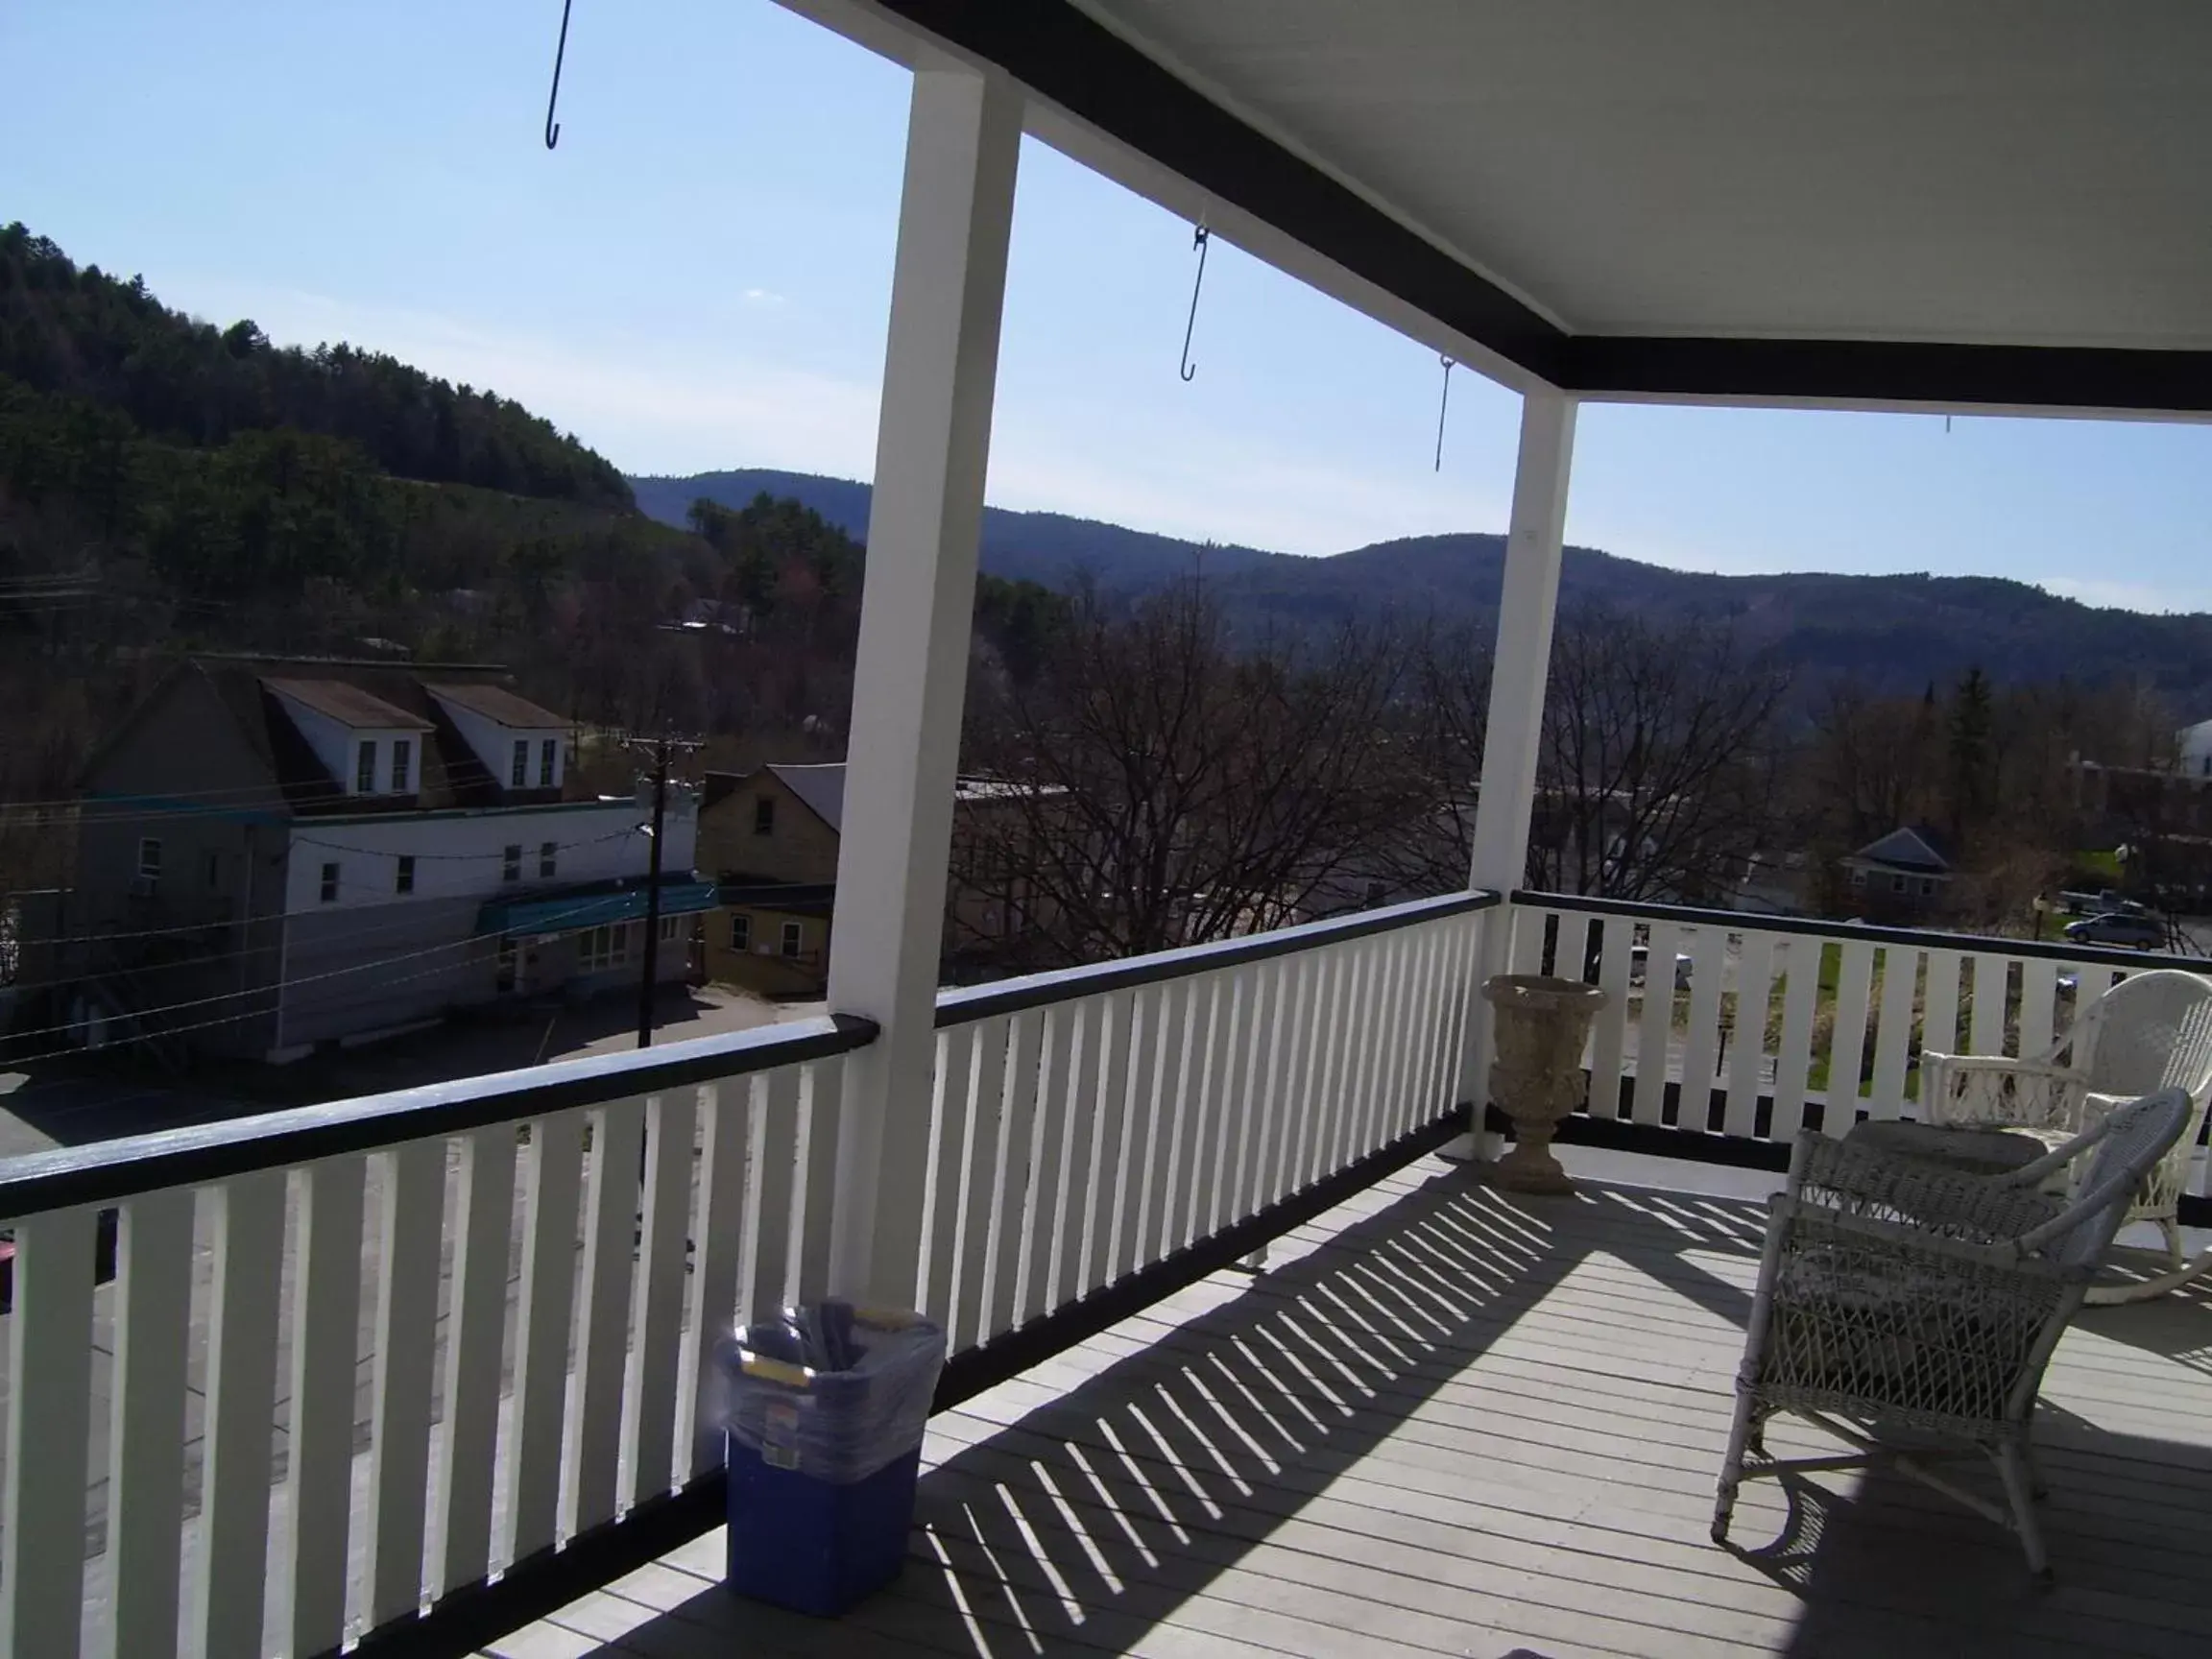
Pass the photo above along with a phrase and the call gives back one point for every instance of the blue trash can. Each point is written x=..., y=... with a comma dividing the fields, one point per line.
x=825, y=1412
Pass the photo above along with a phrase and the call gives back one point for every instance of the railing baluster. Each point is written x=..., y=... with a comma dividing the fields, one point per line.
x=1793, y=1057
x=1247, y=1106
x=1700, y=1049
x=950, y=1125
x=1224, y=1068
x=1140, y=1133
x=822, y=1088
x=483, y=1225
x=1940, y=1017
x=1529, y=927
x=2091, y=980
x=1066, y=1174
x=1039, y=1205
x=773, y=1160
x=1893, y=1029
x=2039, y=1003
x=1655, y=1030
x=1992, y=976
x=1103, y=1217
x=603, y=1292
x=1428, y=1098
x=649, y=1430
x=1062, y=1124
x=412, y=1207
x=1847, y=1040
x=724, y=1152
x=1325, y=1005
x=1278, y=1084
x=1010, y=1213
x=1187, y=1089
x=553, y=1181
x=1610, y=1036
x=1389, y=1041
x=49, y=1427
x=1754, y=985
x=326, y=1345
x=230, y=1576
x=1360, y=1056
x=978, y=1183
x=146, y=1425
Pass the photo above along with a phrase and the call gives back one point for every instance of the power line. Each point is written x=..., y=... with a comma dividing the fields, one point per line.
x=305, y=979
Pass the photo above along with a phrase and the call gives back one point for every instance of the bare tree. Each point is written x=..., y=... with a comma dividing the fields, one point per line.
x=1657, y=778
x=1160, y=784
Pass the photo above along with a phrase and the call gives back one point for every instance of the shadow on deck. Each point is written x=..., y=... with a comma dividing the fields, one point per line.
x=1450, y=1420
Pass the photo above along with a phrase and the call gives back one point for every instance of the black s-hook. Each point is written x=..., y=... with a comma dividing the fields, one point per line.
x=553, y=126
x=1443, y=403
x=1198, y=241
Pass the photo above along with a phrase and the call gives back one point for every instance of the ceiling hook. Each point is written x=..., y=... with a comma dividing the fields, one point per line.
x=552, y=98
x=1198, y=240
x=1443, y=403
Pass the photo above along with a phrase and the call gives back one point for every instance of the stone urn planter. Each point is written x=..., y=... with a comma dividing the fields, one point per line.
x=1536, y=1077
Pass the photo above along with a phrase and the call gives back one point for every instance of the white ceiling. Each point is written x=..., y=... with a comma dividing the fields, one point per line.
x=2026, y=172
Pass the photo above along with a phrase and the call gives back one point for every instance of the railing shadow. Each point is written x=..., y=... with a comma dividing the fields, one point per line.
x=1178, y=1486
x=1303, y=1466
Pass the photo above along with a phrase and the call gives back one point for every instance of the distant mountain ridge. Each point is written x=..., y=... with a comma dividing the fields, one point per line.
x=1894, y=633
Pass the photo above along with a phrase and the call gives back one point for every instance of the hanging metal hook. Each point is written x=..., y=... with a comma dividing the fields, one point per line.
x=1198, y=239
x=552, y=98
x=1442, y=404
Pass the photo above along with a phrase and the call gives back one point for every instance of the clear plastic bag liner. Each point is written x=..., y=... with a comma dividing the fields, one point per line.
x=831, y=1389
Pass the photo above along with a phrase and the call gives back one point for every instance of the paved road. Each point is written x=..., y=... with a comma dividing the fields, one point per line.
x=68, y=1104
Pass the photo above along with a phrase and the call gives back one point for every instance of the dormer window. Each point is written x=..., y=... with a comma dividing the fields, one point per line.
x=518, y=774
x=365, y=769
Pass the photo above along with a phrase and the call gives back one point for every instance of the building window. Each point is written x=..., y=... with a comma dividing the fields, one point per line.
x=404, y=880
x=214, y=869
x=1858, y=878
x=403, y=765
x=547, y=853
x=548, y=762
x=764, y=815
x=518, y=774
x=365, y=768
x=1896, y=883
x=1927, y=886
x=671, y=927
x=148, y=862
x=511, y=862
x=329, y=883
x=598, y=948
x=793, y=937
x=740, y=931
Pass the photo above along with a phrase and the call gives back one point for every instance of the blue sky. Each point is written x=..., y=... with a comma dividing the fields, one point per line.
x=698, y=277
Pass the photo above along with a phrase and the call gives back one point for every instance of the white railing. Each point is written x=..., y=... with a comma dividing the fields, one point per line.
x=1091, y=1124
x=357, y=1360
x=545, y=1258
x=1764, y=1024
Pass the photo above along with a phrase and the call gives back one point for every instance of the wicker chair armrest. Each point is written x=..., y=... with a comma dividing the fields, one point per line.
x=1998, y=1089
x=1851, y=1180
x=1936, y=1254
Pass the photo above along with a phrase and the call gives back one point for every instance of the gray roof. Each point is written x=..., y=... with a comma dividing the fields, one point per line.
x=821, y=787
x=499, y=706
x=349, y=705
x=1907, y=848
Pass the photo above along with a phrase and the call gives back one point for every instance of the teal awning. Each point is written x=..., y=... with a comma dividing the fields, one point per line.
x=592, y=907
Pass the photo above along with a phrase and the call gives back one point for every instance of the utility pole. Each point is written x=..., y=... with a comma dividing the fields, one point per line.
x=649, y=981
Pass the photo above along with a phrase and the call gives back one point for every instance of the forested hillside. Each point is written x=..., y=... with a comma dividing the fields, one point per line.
x=1889, y=634
x=167, y=485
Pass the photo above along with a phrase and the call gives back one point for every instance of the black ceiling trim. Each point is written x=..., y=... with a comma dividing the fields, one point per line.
x=2046, y=376
x=1086, y=69
x=1093, y=73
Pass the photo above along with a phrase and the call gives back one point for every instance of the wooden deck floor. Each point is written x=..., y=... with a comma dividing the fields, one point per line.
x=1450, y=1420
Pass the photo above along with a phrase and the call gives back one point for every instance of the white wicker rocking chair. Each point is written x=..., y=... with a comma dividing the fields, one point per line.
x=1895, y=1295
x=2149, y=1032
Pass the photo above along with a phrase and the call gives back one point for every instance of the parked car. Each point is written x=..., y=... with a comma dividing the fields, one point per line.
x=2133, y=927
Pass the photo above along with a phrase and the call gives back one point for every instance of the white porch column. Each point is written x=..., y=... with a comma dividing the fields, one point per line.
x=1518, y=673
x=932, y=442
